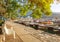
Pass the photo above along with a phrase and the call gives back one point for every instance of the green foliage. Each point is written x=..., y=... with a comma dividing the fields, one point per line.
x=23, y=11
x=38, y=7
x=10, y=7
x=37, y=13
x=44, y=5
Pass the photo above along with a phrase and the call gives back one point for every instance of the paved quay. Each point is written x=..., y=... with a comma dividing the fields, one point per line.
x=28, y=34
x=22, y=33
x=11, y=39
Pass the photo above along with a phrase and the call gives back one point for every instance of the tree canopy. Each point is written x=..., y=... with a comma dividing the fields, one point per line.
x=13, y=8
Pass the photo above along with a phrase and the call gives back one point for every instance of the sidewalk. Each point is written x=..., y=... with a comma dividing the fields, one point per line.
x=28, y=34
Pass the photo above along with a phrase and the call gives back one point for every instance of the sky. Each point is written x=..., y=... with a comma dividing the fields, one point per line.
x=55, y=7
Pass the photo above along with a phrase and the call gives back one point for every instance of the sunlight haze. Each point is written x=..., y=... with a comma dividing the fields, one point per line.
x=55, y=7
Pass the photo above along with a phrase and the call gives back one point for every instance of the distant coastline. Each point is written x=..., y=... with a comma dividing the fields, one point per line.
x=52, y=16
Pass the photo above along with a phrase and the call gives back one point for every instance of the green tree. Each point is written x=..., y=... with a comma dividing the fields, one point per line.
x=9, y=8
x=41, y=7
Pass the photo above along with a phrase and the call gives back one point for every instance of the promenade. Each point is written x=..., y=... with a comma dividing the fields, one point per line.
x=28, y=34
